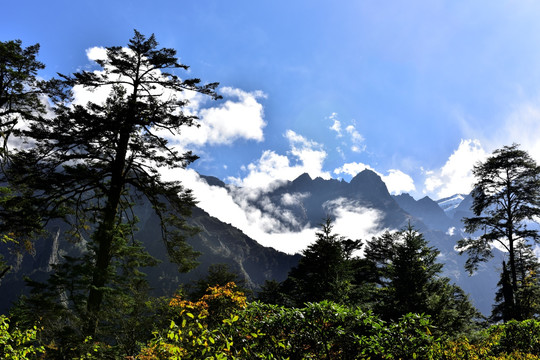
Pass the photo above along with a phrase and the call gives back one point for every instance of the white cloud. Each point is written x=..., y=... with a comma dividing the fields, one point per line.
x=355, y=135
x=305, y=156
x=456, y=176
x=229, y=121
x=352, y=220
x=396, y=181
x=96, y=53
x=352, y=168
x=336, y=125
x=268, y=227
x=356, y=138
x=237, y=209
x=240, y=116
x=294, y=199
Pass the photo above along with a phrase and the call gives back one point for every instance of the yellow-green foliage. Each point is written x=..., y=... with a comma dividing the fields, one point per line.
x=513, y=340
x=221, y=325
x=17, y=344
x=190, y=335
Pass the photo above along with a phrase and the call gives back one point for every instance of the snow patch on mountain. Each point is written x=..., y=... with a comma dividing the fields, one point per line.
x=450, y=203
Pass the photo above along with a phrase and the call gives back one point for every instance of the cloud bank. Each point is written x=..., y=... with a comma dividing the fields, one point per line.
x=271, y=169
x=239, y=117
x=456, y=176
x=272, y=224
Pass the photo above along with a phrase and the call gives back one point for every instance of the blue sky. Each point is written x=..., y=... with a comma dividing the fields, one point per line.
x=417, y=91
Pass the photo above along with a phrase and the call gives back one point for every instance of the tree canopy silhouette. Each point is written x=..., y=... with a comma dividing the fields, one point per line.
x=88, y=164
x=506, y=196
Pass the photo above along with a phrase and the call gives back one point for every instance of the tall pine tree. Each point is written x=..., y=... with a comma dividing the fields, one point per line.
x=20, y=88
x=506, y=196
x=90, y=163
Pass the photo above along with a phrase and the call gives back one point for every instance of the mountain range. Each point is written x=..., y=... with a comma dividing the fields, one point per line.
x=305, y=202
x=294, y=205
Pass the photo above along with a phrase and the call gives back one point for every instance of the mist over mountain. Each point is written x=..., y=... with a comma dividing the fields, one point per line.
x=306, y=202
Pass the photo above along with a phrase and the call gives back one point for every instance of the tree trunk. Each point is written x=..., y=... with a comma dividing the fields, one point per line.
x=104, y=235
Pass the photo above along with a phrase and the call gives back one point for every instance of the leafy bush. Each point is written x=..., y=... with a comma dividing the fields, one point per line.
x=513, y=340
x=221, y=325
x=521, y=336
x=196, y=331
x=18, y=344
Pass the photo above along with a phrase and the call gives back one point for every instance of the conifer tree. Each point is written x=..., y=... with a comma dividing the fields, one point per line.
x=90, y=163
x=325, y=270
x=20, y=89
x=410, y=281
x=528, y=276
x=505, y=197
x=20, y=92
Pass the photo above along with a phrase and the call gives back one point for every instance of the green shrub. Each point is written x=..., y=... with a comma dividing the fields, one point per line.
x=18, y=344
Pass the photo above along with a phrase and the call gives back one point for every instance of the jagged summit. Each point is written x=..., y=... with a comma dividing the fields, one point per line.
x=367, y=177
x=302, y=179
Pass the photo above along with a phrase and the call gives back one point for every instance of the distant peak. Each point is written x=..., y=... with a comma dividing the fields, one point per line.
x=302, y=178
x=426, y=199
x=365, y=175
x=456, y=197
x=212, y=180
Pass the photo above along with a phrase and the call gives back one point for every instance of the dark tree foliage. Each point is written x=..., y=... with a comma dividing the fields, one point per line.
x=271, y=293
x=89, y=164
x=324, y=272
x=528, y=276
x=505, y=197
x=218, y=275
x=20, y=90
x=409, y=282
x=503, y=309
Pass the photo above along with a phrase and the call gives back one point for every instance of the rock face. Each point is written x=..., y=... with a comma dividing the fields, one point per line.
x=426, y=210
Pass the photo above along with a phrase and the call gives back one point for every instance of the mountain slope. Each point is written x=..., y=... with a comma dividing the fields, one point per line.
x=218, y=242
x=426, y=210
